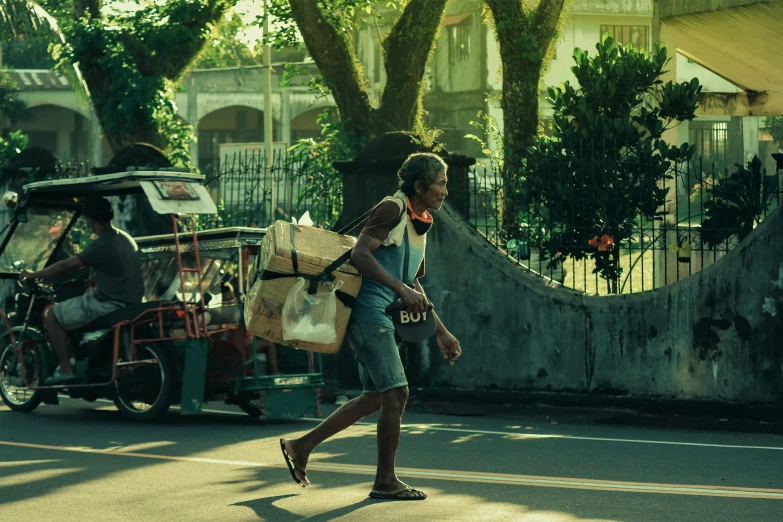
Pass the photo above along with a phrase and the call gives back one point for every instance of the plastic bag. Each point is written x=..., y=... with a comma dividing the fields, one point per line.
x=305, y=220
x=308, y=317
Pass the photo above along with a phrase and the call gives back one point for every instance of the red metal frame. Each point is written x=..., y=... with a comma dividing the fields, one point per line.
x=195, y=330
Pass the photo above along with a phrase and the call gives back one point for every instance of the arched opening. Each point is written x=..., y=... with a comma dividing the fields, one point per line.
x=306, y=125
x=234, y=124
x=62, y=131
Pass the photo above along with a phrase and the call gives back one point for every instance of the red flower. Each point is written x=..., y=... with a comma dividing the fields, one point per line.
x=603, y=243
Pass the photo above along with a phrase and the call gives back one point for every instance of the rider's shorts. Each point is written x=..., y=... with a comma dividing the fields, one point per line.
x=78, y=312
x=378, y=355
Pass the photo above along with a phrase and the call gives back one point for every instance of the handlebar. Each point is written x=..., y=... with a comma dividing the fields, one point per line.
x=37, y=286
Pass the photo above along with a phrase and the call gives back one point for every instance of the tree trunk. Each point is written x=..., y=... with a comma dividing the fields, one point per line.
x=525, y=36
x=406, y=52
x=520, y=123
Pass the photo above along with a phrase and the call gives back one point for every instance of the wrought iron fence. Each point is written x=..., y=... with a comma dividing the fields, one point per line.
x=707, y=212
x=252, y=191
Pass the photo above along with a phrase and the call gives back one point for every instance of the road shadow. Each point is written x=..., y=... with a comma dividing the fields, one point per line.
x=265, y=510
x=36, y=473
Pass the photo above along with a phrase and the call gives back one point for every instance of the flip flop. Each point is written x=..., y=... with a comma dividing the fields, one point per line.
x=292, y=465
x=396, y=495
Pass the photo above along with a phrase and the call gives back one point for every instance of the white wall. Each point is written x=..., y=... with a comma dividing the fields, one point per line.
x=710, y=81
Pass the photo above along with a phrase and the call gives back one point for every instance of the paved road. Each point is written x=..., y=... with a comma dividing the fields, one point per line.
x=81, y=461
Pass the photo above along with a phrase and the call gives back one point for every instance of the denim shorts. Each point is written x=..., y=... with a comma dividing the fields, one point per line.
x=378, y=356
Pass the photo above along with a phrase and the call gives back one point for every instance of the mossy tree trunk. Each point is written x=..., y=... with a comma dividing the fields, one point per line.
x=406, y=50
x=526, y=37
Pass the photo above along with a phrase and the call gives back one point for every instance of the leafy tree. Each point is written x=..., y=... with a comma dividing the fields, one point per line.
x=774, y=125
x=602, y=171
x=327, y=29
x=129, y=63
x=12, y=145
x=28, y=54
x=12, y=109
x=737, y=203
x=526, y=33
x=224, y=49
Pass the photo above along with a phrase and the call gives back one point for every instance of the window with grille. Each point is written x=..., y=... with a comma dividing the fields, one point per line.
x=636, y=35
x=459, y=41
x=711, y=139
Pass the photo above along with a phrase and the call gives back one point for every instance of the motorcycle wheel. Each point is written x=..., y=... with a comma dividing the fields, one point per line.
x=143, y=393
x=15, y=393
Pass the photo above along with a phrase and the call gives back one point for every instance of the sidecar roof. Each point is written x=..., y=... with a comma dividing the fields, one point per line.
x=67, y=193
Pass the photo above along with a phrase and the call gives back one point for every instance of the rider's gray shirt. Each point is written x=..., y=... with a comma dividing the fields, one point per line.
x=114, y=259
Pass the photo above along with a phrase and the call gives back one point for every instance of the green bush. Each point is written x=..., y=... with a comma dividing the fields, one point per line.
x=602, y=171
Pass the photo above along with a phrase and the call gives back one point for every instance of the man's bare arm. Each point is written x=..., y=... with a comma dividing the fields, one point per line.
x=439, y=328
x=56, y=269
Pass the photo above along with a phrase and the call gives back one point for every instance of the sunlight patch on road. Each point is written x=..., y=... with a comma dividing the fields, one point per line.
x=22, y=479
x=15, y=463
x=133, y=448
x=465, y=438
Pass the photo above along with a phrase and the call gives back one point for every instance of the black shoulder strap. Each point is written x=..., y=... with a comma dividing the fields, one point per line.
x=340, y=261
x=326, y=274
x=406, y=261
x=350, y=227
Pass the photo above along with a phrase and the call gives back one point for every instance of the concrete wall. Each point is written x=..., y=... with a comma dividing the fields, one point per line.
x=613, y=6
x=706, y=337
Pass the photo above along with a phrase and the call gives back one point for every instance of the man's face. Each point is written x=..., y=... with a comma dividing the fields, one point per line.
x=434, y=195
x=90, y=223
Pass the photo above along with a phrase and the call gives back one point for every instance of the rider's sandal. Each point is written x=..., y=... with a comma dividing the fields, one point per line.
x=292, y=465
x=58, y=379
x=399, y=494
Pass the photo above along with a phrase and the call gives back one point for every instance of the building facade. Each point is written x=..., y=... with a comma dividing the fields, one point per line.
x=464, y=76
x=463, y=80
x=226, y=106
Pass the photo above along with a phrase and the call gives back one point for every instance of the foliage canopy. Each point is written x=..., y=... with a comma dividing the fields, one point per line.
x=130, y=61
x=774, y=125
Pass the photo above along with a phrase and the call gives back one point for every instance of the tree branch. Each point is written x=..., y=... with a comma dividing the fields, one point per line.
x=151, y=48
x=407, y=50
x=546, y=21
x=334, y=54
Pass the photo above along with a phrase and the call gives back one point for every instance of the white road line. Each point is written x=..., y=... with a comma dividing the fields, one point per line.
x=520, y=435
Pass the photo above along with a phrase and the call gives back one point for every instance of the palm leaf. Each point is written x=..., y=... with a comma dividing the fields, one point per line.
x=20, y=19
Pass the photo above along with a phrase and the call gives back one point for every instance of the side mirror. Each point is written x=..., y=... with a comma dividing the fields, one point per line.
x=11, y=199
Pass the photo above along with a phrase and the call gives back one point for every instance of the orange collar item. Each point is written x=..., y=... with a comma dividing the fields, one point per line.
x=421, y=223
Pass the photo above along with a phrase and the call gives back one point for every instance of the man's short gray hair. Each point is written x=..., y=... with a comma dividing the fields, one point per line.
x=423, y=167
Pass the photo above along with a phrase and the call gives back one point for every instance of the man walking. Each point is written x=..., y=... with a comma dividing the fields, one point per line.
x=397, y=227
